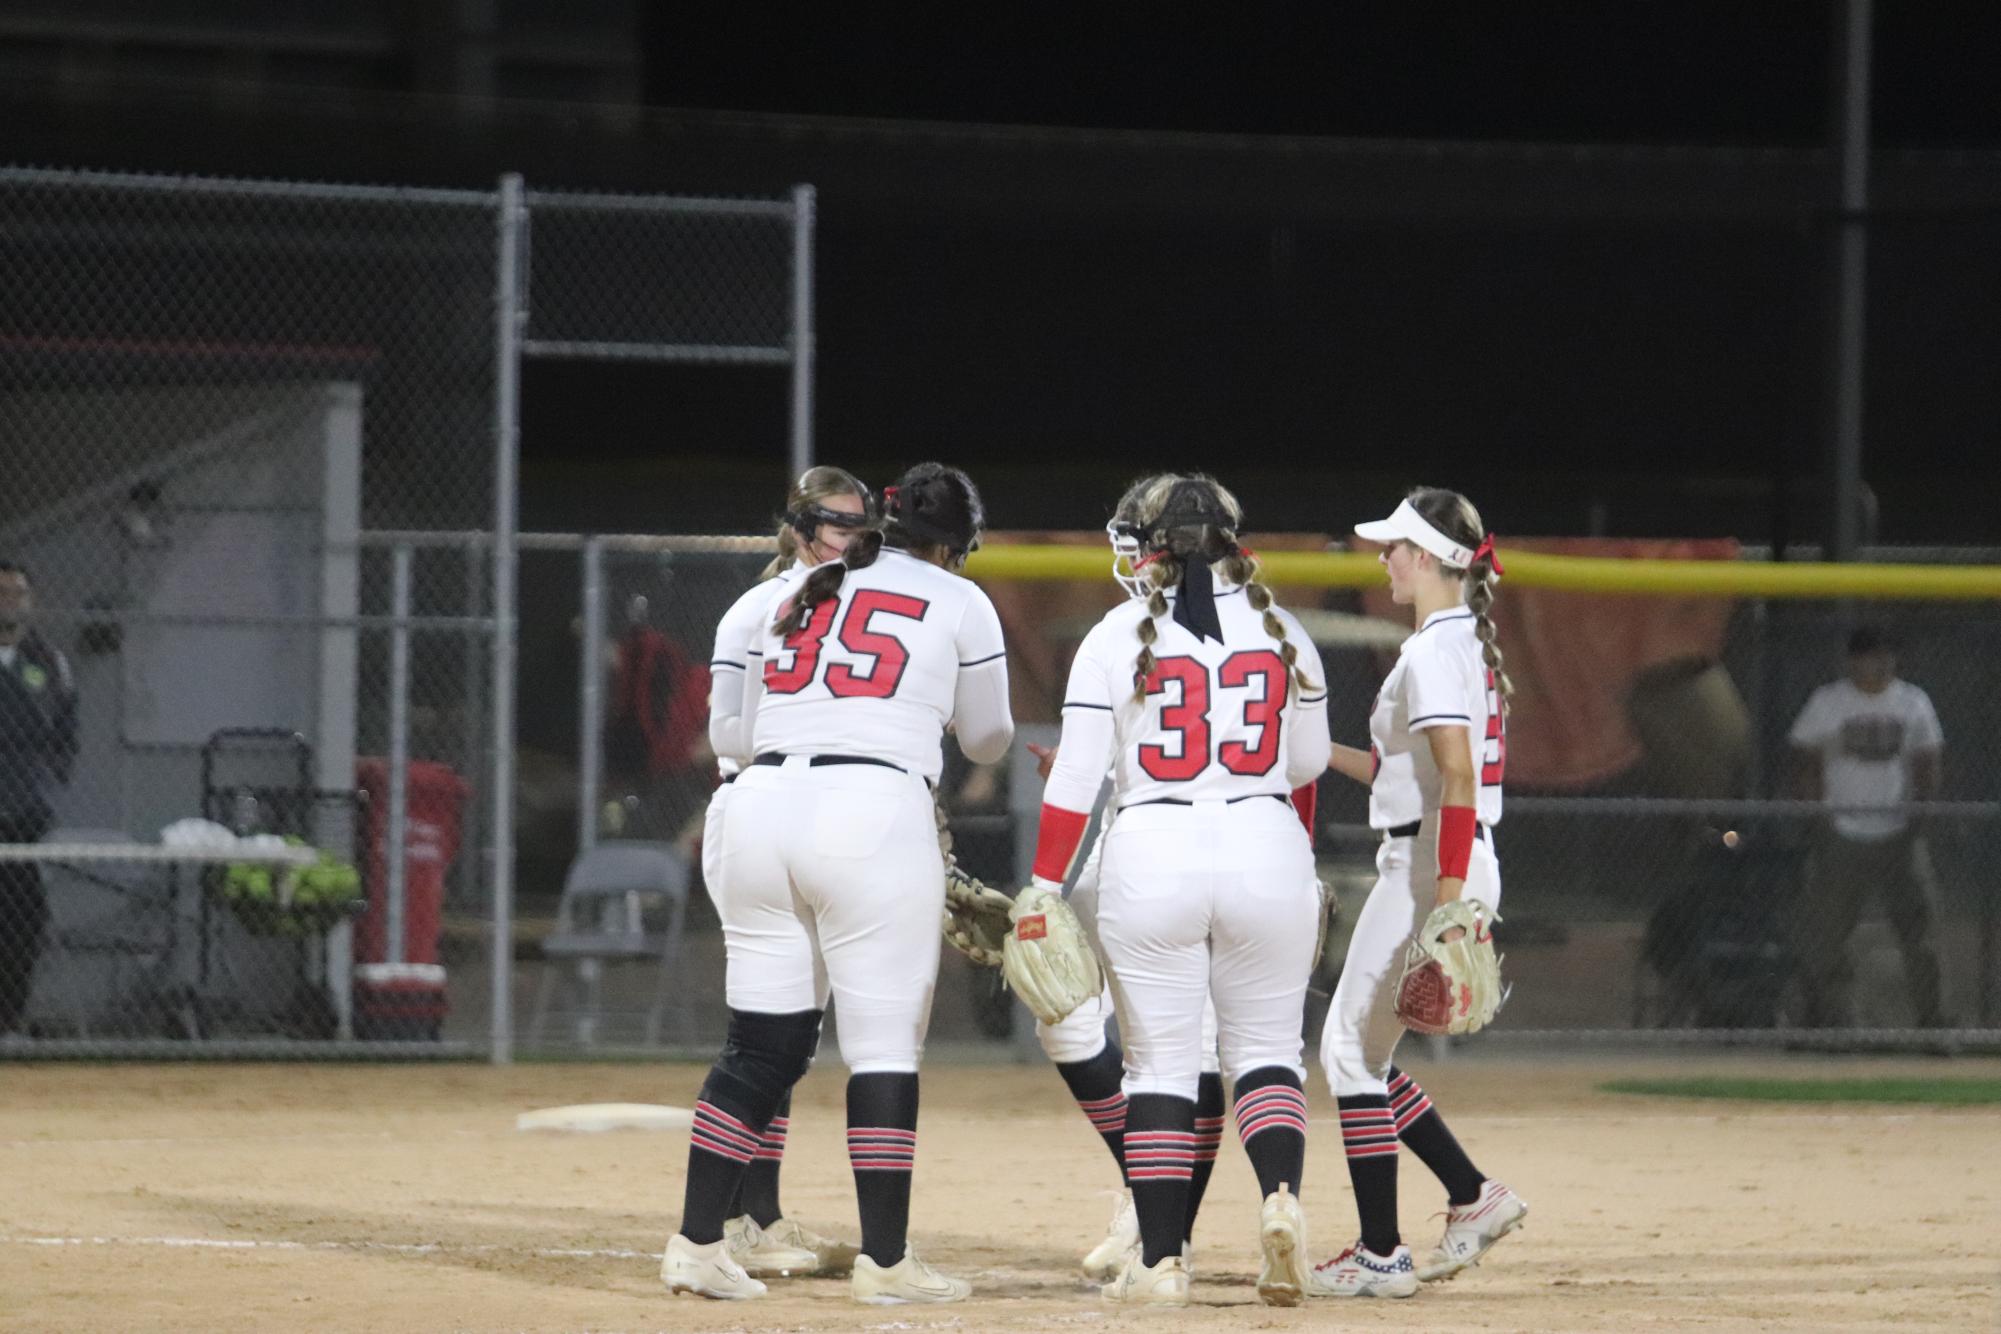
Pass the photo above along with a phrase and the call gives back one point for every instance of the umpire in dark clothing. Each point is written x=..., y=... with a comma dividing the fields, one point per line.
x=37, y=747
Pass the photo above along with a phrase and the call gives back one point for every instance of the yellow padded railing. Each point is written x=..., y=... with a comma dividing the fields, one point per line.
x=1581, y=574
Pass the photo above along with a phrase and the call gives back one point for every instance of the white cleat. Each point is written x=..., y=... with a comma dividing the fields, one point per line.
x=762, y=1254
x=1472, y=1229
x=1359, y=1272
x=1108, y=1257
x=1163, y=1284
x=908, y=1280
x=706, y=1271
x=830, y=1257
x=1282, y=1234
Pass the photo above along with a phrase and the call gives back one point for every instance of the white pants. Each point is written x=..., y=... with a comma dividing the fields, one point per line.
x=1214, y=901
x=1362, y=1026
x=831, y=880
x=1081, y=1034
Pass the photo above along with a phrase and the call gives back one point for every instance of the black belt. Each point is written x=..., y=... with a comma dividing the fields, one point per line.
x=1183, y=801
x=1410, y=830
x=775, y=757
x=729, y=778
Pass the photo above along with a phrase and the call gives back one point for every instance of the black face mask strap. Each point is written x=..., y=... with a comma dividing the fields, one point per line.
x=1195, y=604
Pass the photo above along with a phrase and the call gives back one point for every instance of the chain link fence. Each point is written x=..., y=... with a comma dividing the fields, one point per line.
x=258, y=571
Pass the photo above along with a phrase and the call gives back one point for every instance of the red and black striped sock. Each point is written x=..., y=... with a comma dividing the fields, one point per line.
x=721, y=1143
x=1095, y=1086
x=1271, y=1121
x=758, y=1196
x=1160, y=1160
x=1420, y=1126
x=1208, y=1138
x=1369, y=1133
x=882, y=1148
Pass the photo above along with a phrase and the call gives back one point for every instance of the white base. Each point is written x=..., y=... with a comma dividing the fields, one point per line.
x=596, y=1116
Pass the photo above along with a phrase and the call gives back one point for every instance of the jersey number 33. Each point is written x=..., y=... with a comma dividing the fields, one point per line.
x=1185, y=713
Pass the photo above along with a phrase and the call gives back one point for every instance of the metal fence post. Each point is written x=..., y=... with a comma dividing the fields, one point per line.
x=512, y=222
x=399, y=749
x=590, y=708
x=802, y=328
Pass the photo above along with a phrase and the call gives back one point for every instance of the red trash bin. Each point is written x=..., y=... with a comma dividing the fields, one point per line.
x=435, y=796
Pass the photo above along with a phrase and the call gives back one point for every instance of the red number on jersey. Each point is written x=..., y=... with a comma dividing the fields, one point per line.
x=1186, y=717
x=888, y=651
x=1494, y=756
x=1239, y=669
x=804, y=645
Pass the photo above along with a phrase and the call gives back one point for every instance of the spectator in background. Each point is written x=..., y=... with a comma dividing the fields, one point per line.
x=37, y=747
x=1866, y=742
x=655, y=734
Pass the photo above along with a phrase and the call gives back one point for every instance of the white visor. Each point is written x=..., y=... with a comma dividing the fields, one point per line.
x=1409, y=526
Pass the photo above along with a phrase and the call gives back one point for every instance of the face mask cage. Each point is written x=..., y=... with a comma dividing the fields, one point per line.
x=1125, y=540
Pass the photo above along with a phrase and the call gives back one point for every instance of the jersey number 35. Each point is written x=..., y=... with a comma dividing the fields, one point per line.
x=859, y=636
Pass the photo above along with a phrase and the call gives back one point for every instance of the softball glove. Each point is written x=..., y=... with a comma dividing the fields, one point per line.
x=1451, y=987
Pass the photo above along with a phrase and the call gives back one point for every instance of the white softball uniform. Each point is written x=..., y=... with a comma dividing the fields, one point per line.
x=1080, y=1035
x=1440, y=681
x=728, y=664
x=832, y=878
x=1206, y=887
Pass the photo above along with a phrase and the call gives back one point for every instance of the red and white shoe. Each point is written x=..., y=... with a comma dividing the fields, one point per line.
x=1472, y=1229
x=1360, y=1272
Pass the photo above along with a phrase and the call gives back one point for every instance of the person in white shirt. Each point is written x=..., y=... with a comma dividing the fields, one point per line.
x=1865, y=745
x=1434, y=769
x=832, y=880
x=1204, y=702
x=825, y=510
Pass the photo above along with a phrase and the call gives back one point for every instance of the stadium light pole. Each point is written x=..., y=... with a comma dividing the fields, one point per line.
x=1849, y=315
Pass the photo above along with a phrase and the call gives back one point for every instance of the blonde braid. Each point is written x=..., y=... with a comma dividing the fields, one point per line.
x=1479, y=601
x=1149, y=632
x=1243, y=570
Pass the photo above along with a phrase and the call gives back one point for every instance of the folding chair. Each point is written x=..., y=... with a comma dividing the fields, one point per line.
x=601, y=919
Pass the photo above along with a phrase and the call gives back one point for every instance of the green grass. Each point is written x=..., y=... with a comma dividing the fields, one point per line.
x=1936, y=1092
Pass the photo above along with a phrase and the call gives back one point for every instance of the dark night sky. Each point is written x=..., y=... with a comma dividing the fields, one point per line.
x=1662, y=366
x=1696, y=72
x=1553, y=366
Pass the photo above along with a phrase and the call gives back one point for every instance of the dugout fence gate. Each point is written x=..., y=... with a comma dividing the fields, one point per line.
x=260, y=476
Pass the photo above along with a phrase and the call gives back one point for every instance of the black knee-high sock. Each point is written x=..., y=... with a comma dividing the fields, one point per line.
x=1420, y=1126
x=1095, y=1085
x=1369, y=1134
x=758, y=1193
x=1208, y=1138
x=1160, y=1159
x=882, y=1147
x=721, y=1143
x=1271, y=1121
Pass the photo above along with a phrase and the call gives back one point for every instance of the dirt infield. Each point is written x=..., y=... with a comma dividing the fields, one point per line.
x=401, y=1198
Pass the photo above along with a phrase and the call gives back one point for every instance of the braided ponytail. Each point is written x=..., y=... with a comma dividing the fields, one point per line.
x=825, y=581
x=1241, y=568
x=1454, y=515
x=1480, y=601
x=1149, y=628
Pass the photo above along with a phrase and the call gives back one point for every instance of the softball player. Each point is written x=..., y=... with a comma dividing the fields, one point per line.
x=1199, y=706
x=1434, y=770
x=826, y=508
x=831, y=875
x=1093, y=1066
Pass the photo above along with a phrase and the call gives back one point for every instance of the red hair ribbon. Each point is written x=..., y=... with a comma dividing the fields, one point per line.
x=1246, y=552
x=1486, y=548
x=889, y=497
